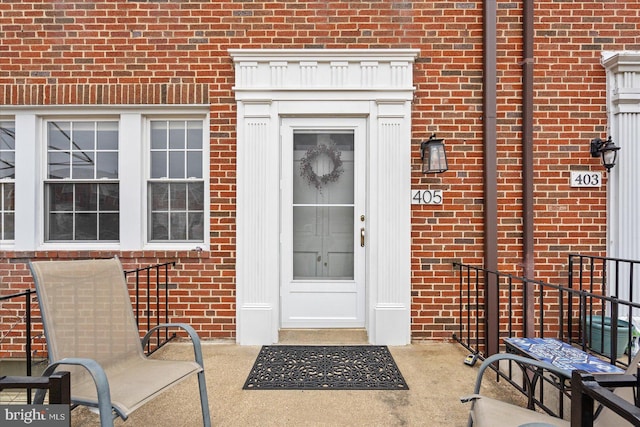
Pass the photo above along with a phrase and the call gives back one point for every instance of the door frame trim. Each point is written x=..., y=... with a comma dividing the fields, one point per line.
x=376, y=84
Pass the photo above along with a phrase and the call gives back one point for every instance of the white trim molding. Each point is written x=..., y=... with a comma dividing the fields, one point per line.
x=623, y=194
x=376, y=84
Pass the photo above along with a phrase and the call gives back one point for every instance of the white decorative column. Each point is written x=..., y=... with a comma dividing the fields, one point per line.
x=256, y=229
x=623, y=192
x=389, y=249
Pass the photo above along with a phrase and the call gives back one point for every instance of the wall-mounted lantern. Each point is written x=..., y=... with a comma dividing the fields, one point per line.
x=605, y=149
x=433, y=155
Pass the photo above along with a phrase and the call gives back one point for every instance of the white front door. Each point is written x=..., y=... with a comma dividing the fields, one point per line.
x=323, y=222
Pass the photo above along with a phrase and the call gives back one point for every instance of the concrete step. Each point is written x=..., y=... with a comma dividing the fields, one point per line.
x=323, y=337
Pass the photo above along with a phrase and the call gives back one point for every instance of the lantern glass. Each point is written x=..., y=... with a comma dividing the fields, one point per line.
x=434, y=157
x=609, y=157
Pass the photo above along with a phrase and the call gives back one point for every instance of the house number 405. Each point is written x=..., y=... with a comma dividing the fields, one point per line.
x=426, y=197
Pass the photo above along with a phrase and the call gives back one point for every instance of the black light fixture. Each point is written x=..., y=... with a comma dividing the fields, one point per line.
x=433, y=155
x=605, y=149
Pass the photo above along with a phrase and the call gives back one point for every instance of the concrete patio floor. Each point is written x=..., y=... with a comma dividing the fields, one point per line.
x=434, y=371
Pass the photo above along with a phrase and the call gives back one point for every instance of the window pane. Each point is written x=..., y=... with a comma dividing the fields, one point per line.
x=107, y=165
x=59, y=165
x=7, y=211
x=177, y=135
x=178, y=196
x=60, y=226
x=172, y=220
x=58, y=135
x=83, y=165
x=176, y=164
x=74, y=210
x=109, y=197
x=323, y=233
x=194, y=164
x=7, y=136
x=7, y=164
x=8, y=196
x=323, y=168
x=8, y=226
x=86, y=226
x=109, y=226
x=196, y=226
x=179, y=226
x=107, y=136
x=7, y=150
x=86, y=197
x=194, y=135
x=159, y=194
x=159, y=164
x=83, y=135
x=196, y=196
x=158, y=135
x=159, y=226
x=60, y=197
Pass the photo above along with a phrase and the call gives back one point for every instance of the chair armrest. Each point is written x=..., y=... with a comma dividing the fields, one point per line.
x=523, y=363
x=102, y=387
x=587, y=390
x=195, y=338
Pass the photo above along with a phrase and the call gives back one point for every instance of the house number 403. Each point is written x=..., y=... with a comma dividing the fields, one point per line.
x=426, y=197
x=586, y=179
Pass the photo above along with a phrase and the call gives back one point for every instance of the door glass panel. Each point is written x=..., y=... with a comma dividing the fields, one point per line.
x=323, y=205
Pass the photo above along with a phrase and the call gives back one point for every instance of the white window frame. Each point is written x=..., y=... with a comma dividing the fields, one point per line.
x=6, y=242
x=133, y=159
x=72, y=180
x=147, y=177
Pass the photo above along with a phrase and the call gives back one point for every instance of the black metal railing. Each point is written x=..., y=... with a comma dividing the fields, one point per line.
x=24, y=300
x=150, y=303
x=573, y=315
x=151, y=290
x=515, y=306
x=26, y=318
x=608, y=276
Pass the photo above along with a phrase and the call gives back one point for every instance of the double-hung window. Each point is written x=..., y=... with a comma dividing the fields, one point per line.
x=7, y=179
x=81, y=188
x=176, y=186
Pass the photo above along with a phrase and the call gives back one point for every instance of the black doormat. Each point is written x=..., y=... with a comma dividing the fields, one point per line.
x=362, y=367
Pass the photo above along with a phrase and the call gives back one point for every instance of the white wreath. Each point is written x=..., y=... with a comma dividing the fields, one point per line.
x=306, y=167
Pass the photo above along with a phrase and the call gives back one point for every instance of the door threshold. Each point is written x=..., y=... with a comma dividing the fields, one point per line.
x=323, y=337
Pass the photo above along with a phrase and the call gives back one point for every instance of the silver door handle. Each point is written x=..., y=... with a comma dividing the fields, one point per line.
x=362, y=237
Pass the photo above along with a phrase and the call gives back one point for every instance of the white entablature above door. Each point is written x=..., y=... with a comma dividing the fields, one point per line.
x=326, y=69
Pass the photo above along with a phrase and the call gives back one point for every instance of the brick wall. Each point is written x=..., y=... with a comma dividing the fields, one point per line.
x=149, y=52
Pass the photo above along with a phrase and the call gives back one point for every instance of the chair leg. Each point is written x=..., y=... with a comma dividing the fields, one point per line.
x=204, y=400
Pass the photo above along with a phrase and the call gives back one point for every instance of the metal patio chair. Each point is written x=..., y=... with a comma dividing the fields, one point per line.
x=91, y=332
x=487, y=411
